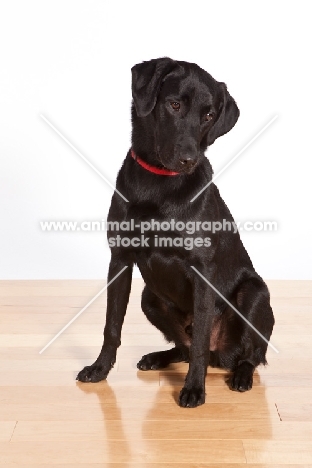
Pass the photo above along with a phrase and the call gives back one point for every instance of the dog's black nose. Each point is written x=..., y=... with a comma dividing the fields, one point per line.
x=187, y=162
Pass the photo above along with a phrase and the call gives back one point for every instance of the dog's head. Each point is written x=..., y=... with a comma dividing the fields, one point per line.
x=186, y=108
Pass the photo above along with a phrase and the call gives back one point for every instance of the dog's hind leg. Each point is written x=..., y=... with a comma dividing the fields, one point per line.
x=253, y=301
x=174, y=327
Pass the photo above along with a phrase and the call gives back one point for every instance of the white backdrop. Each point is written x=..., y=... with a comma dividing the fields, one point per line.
x=70, y=60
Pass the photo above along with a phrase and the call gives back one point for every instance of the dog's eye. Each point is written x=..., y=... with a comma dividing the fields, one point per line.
x=209, y=116
x=175, y=105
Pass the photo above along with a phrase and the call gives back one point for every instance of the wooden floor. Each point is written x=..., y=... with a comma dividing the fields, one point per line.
x=48, y=419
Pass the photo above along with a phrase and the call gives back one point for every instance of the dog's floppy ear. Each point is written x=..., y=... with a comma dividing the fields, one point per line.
x=147, y=78
x=227, y=116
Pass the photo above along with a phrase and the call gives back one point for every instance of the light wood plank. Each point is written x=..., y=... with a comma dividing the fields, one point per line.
x=6, y=430
x=80, y=394
x=61, y=301
x=275, y=451
x=282, y=365
x=300, y=327
x=154, y=465
x=288, y=380
x=193, y=429
x=47, y=291
x=93, y=316
x=283, y=395
x=298, y=411
x=24, y=353
x=164, y=412
x=68, y=378
x=290, y=288
x=45, y=365
x=59, y=283
x=283, y=303
x=173, y=451
x=76, y=328
x=69, y=339
x=77, y=352
x=90, y=394
x=58, y=300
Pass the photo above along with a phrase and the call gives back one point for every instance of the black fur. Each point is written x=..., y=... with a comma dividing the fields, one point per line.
x=171, y=100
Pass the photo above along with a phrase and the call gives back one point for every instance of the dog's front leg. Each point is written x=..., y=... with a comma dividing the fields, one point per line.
x=193, y=392
x=117, y=300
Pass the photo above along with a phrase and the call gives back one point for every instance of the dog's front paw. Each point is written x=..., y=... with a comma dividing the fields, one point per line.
x=93, y=373
x=192, y=397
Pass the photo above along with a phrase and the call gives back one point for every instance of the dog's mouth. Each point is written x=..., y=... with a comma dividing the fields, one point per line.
x=188, y=170
x=182, y=169
x=166, y=168
x=178, y=164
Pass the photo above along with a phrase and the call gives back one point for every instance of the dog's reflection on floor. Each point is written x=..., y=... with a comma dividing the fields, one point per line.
x=144, y=424
x=116, y=440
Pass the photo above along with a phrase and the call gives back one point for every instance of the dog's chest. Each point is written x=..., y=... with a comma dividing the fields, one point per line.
x=166, y=276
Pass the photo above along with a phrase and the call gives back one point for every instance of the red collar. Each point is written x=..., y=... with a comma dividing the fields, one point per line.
x=154, y=169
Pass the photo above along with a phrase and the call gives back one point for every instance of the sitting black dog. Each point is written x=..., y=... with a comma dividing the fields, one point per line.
x=178, y=111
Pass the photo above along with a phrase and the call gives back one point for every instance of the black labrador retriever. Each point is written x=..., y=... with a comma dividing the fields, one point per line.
x=192, y=294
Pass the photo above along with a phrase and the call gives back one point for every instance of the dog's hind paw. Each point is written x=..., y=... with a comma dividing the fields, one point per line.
x=152, y=361
x=242, y=378
x=94, y=373
x=192, y=397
